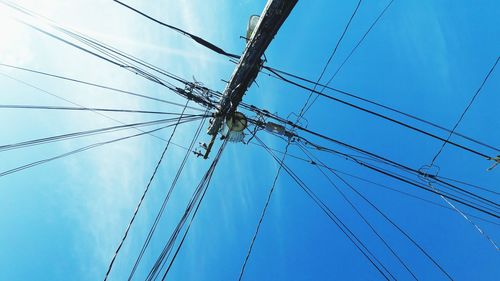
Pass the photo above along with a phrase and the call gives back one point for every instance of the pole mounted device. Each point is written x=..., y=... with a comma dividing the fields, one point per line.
x=247, y=69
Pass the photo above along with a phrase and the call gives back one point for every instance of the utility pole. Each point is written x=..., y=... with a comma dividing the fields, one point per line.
x=247, y=69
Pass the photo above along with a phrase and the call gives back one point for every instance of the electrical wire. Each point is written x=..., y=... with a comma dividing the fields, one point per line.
x=376, y=183
x=165, y=201
x=110, y=267
x=306, y=108
x=264, y=210
x=73, y=135
x=97, y=85
x=365, y=220
x=349, y=234
x=414, y=242
x=197, y=39
x=52, y=107
x=371, y=112
x=85, y=148
x=465, y=111
x=372, y=102
x=206, y=184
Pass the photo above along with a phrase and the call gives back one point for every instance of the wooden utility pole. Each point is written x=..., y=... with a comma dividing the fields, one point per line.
x=270, y=21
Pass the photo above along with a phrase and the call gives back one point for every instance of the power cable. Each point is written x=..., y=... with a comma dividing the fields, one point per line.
x=51, y=107
x=206, y=184
x=143, y=196
x=465, y=111
x=85, y=148
x=365, y=220
x=349, y=234
x=374, y=183
x=392, y=109
x=264, y=210
x=385, y=216
x=97, y=85
x=304, y=110
x=61, y=137
x=166, y=200
x=198, y=39
x=384, y=117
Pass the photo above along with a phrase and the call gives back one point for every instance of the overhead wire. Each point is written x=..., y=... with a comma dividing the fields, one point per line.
x=392, y=109
x=81, y=106
x=206, y=185
x=263, y=213
x=306, y=108
x=68, y=108
x=92, y=132
x=97, y=85
x=375, y=183
x=139, y=204
x=82, y=149
x=356, y=46
x=447, y=140
x=360, y=214
x=371, y=112
x=197, y=39
x=166, y=200
x=336, y=220
x=399, y=228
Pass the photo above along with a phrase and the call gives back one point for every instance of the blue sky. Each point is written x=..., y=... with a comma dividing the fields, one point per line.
x=63, y=220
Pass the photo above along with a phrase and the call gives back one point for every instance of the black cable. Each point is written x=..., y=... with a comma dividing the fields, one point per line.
x=165, y=201
x=81, y=106
x=465, y=111
x=264, y=210
x=383, y=117
x=198, y=39
x=306, y=108
x=350, y=94
x=143, y=196
x=360, y=41
x=383, y=214
x=376, y=183
x=349, y=234
x=97, y=85
x=78, y=134
x=207, y=183
x=365, y=220
x=39, y=162
x=51, y=107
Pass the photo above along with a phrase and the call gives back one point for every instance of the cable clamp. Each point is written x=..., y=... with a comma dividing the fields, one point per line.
x=497, y=161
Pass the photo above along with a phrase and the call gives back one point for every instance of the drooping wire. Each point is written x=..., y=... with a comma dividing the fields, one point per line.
x=206, y=185
x=110, y=267
x=375, y=183
x=264, y=210
x=306, y=108
x=97, y=85
x=365, y=220
x=198, y=39
x=165, y=201
x=465, y=111
x=392, y=109
x=79, y=134
x=82, y=149
x=412, y=240
x=356, y=47
x=371, y=112
x=344, y=229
